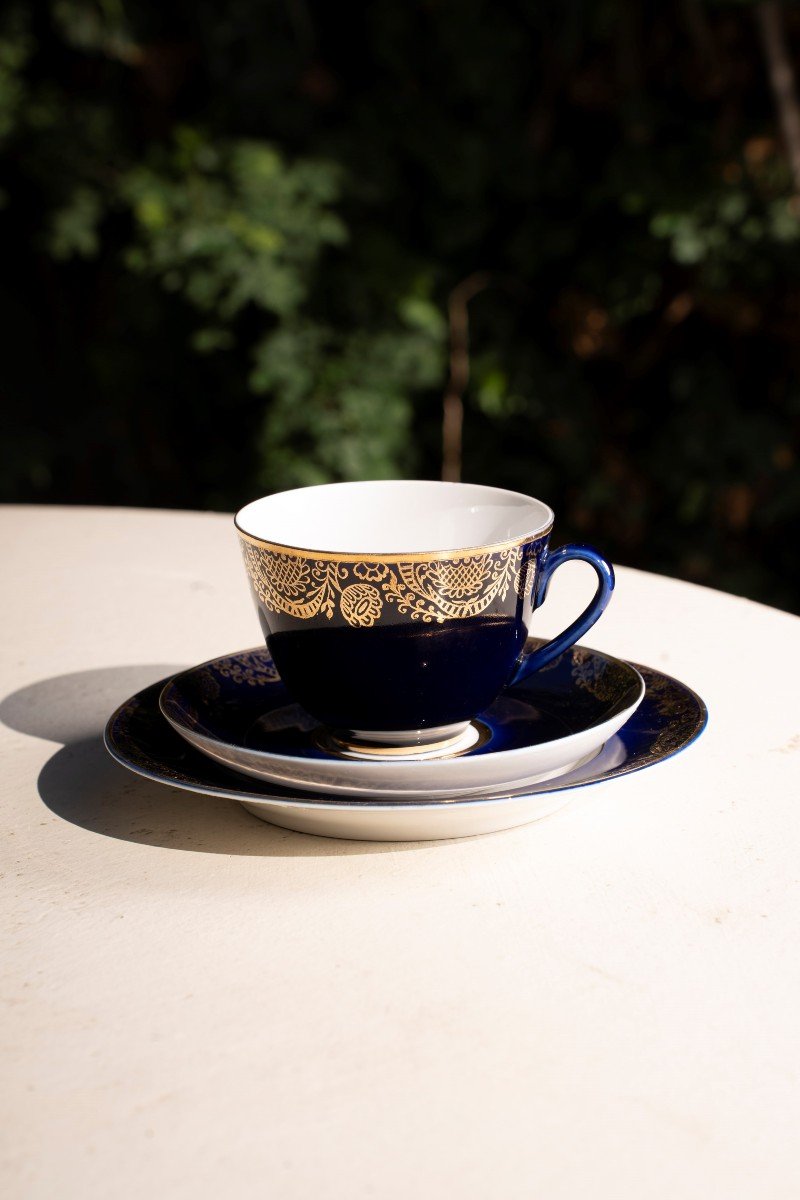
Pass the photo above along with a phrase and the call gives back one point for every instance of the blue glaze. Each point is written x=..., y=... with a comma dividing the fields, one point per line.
x=549, y=562
x=411, y=667
x=417, y=669
x=669, y=719
x=240, y=702
x=399, y=676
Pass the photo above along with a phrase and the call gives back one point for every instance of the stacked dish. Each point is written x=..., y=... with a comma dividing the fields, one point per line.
x=228, y=728
x=401, y=694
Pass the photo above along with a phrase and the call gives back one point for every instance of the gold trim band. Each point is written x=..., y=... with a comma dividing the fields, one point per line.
x=383, y=751
x=476, y=734
x=413, y=556
x=364, y=591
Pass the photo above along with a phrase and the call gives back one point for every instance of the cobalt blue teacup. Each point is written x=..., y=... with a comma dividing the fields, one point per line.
x=397, y=611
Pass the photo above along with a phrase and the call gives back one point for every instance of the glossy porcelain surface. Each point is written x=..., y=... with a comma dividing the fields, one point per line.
x=670, y=717
x=237, y=711
x=397, y=517
x=405, y=605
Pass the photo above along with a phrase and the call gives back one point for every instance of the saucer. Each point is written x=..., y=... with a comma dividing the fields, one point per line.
x=237, y=712
x=670, y=717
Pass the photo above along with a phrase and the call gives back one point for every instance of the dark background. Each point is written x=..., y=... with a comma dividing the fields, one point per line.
x=237, y=240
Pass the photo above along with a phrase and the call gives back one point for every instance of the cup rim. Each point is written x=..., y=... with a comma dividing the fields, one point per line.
x=394, y=556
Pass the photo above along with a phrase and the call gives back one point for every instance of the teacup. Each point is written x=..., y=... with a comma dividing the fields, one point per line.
x=397, y=611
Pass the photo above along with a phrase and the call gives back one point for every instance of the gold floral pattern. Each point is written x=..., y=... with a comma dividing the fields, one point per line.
x=373, y=571
x=255, y=668
x=361, y=604
x=456, y=580
x=435, y=589
x=671, y=717
x=593, y=673
x=526, y=578
x=449, y=589
x=675, y=711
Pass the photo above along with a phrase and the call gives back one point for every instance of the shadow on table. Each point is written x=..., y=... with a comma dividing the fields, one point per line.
x=82, y=784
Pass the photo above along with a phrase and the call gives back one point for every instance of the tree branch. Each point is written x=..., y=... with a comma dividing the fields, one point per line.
x=769, y=19
x=453, y=403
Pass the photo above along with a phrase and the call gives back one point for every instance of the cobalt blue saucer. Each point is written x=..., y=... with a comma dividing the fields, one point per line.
x=237, y=711
x=669, y=719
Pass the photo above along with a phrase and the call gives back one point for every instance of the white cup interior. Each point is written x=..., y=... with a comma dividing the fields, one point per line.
x=393, y=517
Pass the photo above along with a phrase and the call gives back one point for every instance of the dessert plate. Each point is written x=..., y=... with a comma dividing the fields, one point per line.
x=669, y=718
x=237, y=712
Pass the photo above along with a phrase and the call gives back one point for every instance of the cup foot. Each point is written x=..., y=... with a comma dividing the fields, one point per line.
x=441, y=742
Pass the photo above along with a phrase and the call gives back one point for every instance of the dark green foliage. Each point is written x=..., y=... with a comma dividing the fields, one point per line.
x=229, y=234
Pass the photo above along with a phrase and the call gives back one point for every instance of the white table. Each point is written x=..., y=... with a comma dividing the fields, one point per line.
x=605, y=1004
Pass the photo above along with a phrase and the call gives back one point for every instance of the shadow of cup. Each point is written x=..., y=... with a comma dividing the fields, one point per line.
x=82, y=784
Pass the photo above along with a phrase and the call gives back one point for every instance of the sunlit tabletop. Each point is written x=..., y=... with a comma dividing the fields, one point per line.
x=602, y=1004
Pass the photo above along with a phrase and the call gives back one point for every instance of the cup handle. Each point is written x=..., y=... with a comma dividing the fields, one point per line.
x=550, y=562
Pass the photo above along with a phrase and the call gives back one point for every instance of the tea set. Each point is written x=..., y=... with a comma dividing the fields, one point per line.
x=400, y=693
